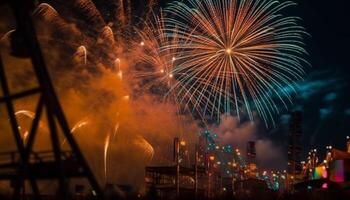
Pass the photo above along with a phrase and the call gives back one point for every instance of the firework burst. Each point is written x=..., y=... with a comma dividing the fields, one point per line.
x=154, y=37
x=160, y=77
x=233, y=56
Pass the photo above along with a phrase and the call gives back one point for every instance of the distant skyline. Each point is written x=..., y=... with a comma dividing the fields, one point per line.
x=324, y=95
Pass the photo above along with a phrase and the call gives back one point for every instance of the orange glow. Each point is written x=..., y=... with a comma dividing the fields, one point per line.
x=212, y=158
x=183, y=143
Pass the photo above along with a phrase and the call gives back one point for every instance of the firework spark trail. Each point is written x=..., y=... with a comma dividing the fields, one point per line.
x=145, y=145
x=128, y=11
x=6, y=36
x=78, y=125
x=31, y=115
x=153, y=34
x=100, y=37
x=28, y=114
x=234, y=54
x=105, y=153
x=121, y=13
x=155, y=37
x=150, y=6
x=116, y=128
x=80, y=55
x=93, y=16
x=47, y=13
x=107, y=145
x=214, y=56
x=106, y=36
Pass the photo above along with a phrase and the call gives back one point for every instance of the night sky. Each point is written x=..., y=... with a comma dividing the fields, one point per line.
x=324, y=95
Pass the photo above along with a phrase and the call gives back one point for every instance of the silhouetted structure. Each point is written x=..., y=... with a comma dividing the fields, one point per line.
x=294, y=148
x=161, y=181
x=251, y=152
x=25, y=164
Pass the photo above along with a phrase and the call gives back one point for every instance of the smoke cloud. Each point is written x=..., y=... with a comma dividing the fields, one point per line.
x=99, y=101
x=91, y=72
x=233, y=132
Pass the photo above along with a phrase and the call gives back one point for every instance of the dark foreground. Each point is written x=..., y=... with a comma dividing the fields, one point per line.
x=306, y=195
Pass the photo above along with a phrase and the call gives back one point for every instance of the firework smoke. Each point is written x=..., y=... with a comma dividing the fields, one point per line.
x=119, y=121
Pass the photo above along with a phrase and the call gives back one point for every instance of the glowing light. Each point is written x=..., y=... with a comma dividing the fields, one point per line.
x=145, y=145
x=324, y=185
x=320, y=172
x=337, y=171
x=80, y=124
x=120, y=75
x=126, y=98
x=106, y=146
x=30, y=115
x=142, y=43
x=264, y=63
x=211, y=158
x=26, y=113
x=183, y=143
x=116, y=128
x=77, y=126
x=81, y=54
x=25, y=136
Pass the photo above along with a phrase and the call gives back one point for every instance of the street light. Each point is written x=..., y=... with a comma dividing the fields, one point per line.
x=211, y=158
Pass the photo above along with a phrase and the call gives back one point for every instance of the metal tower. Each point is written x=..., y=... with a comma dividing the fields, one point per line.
x=251, y=152
x=25, y=164
x=294, y=148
